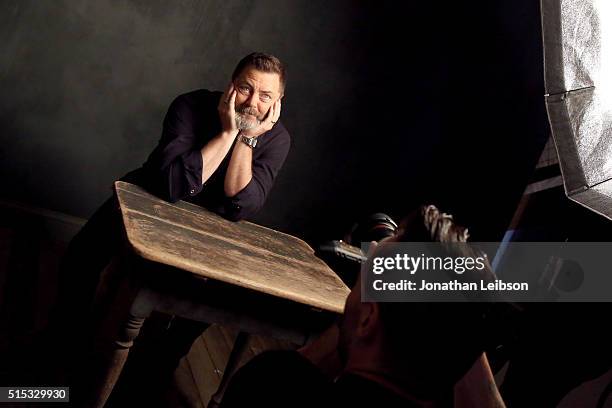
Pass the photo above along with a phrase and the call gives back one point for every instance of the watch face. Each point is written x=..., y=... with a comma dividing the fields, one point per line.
x=249, y=141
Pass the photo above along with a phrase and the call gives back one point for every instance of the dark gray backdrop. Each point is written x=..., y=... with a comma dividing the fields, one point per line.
x=389, y=105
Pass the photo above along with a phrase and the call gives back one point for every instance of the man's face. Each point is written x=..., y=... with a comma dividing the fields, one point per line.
x=256, y=92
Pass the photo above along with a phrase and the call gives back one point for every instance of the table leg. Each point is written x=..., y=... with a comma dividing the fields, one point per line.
x=230, y=368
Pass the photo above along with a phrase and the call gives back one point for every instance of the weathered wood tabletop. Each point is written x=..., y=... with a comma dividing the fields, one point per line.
x=186, y=236
x=238, y=254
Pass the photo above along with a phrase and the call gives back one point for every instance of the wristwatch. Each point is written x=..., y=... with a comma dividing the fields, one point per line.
x=249, y=141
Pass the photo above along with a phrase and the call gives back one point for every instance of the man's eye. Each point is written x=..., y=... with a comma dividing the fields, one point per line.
x=265, y=98
x=245, y=90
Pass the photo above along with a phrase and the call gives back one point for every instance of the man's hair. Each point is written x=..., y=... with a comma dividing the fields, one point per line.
x=439, y=341
x=264, y=63
x=428, y=224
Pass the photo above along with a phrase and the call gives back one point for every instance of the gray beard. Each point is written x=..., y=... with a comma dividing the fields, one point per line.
x=243, y=123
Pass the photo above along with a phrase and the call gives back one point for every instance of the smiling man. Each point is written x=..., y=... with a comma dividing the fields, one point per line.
x=221, y=151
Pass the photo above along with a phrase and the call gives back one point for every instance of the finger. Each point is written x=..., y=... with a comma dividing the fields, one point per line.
x=272, y=114
x=277, y=111
x=225, y=95
x=267, y=117
x=232, y=99
x=225, y=98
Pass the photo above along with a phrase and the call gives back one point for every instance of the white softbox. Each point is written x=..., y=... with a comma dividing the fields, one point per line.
x=578, y=79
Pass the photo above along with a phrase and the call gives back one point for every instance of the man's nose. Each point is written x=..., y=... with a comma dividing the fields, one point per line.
x=251, y=101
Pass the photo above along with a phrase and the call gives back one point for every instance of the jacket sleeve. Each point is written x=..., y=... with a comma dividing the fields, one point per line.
x=264, y=170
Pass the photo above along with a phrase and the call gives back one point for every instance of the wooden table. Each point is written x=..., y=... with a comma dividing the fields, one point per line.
x=188, y=245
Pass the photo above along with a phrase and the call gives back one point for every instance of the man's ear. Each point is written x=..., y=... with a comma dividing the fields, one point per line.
x=369, y=320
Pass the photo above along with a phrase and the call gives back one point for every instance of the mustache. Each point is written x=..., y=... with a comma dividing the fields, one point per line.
x=247, y=110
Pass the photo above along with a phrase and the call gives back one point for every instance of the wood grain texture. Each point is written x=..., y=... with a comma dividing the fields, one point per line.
x=189, y=237
x=186, y=392
x=203, y=370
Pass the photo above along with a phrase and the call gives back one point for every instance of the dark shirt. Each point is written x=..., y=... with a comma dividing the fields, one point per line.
x=173, y=171
x=287, y=379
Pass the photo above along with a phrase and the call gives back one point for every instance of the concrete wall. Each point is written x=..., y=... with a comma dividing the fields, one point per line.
x=84, y=86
